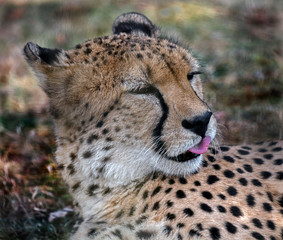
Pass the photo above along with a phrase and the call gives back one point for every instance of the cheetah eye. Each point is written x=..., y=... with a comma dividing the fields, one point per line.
x=145, y=90
x=190, y=75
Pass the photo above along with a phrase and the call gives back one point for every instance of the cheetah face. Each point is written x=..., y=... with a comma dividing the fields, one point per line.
x=129, y=104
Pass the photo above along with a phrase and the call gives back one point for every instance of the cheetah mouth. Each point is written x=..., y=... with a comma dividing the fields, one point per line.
x=194, y=151
x=184, y=157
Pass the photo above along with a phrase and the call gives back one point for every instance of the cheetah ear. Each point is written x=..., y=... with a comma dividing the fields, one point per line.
x=36, y=54
x=134, y=23
x=45, y=63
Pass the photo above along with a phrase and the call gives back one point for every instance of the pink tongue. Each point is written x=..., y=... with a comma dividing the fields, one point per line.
x=201, y=147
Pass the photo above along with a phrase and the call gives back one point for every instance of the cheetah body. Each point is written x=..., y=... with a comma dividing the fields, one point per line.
x=126, y=109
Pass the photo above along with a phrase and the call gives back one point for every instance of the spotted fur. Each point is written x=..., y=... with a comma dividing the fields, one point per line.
x=127, y=108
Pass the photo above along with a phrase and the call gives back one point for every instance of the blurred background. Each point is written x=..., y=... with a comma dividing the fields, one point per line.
x=239, y=44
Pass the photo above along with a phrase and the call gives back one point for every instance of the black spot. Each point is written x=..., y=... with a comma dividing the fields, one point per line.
x=168, y=190
x=214, y=233
x=279, y=175
x=223, y=197
x=229, y=159
x=180, y=225
x=139, y=56
x=230, y=227
x=171, y=181
x=87, y=154
x=91, y=118
x=243, y=152
x=272, y=143
x=78, y=46
x=268, y=156
x=250, y=200
x=256, y=183
x=143, y=234
x=91, y=138
x=106, y=191
x=221, y=209
x=199, y=226
x=92, y=232
x=71, y=168
x=270, y=197
x=228, y=174
x=239, y=170
x=232, y=191
x=155, y=175
x=167, y=230
x=155, y=191
x=213, y=151
x=258, y=161
x=224, y=149
x=236, y=211
x=76, y=186
x=180, y=194
x=270, y=224
x=265, y=174
x=170, y=216
x=120, y=214
x=141, y=220
x=156, y=206
x=207, y=195
x=205, y=207
x=169, y=204
x=193, y=232
x=88, y=51
x=262, y=150
x=91, y=189
x=188, y=212
x=280, y=201
x=212, y=179
x=179, y=236
x=183, y=180
x=248, y=168
x=243, y=181
x=245, y=226
x=60, y=167
x=99, y=124
x=145, y=194
x=105, y=131
x=132, y=211
x=277, y=149
x=257, y=222
x=107, y=148
x=145, y=208
x=267, y=207
x=204, y=163
x=211, y=158
x=278, y=162
x=216, y=166
x=197, y=183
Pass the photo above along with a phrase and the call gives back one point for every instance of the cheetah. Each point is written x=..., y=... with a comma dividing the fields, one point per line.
x=135, y=143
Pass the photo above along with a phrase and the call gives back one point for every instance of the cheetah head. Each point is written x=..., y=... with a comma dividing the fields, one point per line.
x=126, y=105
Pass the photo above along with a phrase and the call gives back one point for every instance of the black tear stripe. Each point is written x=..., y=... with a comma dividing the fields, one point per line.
x=159, y=144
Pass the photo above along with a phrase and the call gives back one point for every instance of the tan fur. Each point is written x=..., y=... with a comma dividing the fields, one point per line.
x=122, y=186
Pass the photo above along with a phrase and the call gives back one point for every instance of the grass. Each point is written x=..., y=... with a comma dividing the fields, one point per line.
x=239, y=46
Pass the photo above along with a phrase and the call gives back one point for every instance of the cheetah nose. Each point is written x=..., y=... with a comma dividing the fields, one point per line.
x=198, y=124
